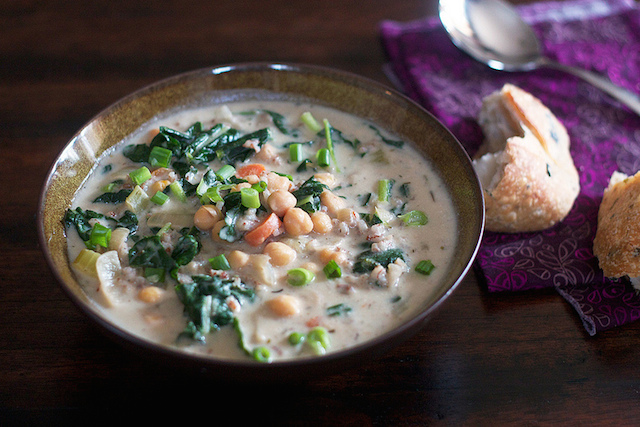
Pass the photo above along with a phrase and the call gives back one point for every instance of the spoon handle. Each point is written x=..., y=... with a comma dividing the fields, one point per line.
x=628, y=98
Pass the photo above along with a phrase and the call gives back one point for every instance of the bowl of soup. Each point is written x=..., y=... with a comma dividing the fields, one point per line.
x=260, y=220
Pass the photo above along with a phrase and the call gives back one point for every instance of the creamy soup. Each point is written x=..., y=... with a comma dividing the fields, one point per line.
x=261, y=230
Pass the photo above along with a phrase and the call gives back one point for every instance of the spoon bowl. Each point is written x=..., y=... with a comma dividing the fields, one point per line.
x=492, y=32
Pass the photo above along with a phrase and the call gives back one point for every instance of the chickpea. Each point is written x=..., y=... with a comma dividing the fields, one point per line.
x=280, y=201
x=326, y=178
x=150, y=294
x=311, y=266
x=284, y=305
x=337, y=255
x=277, y=182
x=280, y=253
x=238, y=259
x=332, y=202
x=240, y=186
x=297, y=222
x=252, y=179
x=321, y=222
x=267, y=153
x=215, y=231
x=159, y=186
x=348, y=216
x=161, y=173
x=206, y=217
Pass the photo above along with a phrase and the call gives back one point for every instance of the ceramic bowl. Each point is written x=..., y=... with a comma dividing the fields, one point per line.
x=337, y=89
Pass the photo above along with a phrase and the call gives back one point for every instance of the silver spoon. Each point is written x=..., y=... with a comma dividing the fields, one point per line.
x=492, y=32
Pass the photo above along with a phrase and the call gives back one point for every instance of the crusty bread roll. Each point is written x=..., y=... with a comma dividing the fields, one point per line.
x=526, y=170
x=617, y=241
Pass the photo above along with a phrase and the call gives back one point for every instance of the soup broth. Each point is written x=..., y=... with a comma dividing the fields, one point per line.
x=266, y=230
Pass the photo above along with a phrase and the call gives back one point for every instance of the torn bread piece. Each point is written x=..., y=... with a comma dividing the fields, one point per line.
x=617, y=241
x=525, y=167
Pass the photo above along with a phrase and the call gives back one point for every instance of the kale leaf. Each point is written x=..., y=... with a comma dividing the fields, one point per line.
x=308, y=194
x=368, y=260
x=205, y=305
x=113, y=197
x=235, y=151
x=233, y=209
x=148, y=252
x=393, y=142
x=186, y=249
x=79, y=219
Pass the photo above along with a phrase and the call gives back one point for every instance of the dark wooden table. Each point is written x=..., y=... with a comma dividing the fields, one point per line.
x=483, y=360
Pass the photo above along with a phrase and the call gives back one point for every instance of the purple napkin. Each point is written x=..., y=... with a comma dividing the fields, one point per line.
x=599, y=35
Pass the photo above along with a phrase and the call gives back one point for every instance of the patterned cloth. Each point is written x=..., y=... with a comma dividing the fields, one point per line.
x=599, y=35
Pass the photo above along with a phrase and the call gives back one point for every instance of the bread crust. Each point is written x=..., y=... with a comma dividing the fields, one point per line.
x=617, y=240
x=536, y=182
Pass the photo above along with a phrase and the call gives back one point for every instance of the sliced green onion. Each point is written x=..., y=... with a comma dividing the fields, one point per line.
x=213, y=193
x=327, y=135
x=296, y=338
x=384, y=190
x=112, y=185
x=100, y=235
x=226, y=172
x=319, y=340
x=249, y=198
x=137, y=201
x=219, y=262
x=154, y=274
x=164, y=229
x=300, y=276
x=160, y=198
x=425, y=267
x=261, y=354
x=139, y=176
x=311, y=123
x=86, y=262
x=323, y=157
x=414, y=218
x=259, y=186
x=295, y=152
x=332, y=270
x=159, y=157
x=176, y=188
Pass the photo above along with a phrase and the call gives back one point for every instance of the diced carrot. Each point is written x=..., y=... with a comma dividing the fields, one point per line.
x=251, y=169
x=266, y=228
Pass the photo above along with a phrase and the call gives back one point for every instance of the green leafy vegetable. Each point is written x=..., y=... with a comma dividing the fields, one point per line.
x=205, y=305
x=368, y=260
x=149, y=252
x=308, y=194
x=79, y=219
x=393, y=142
x=233, y=209
x=277, y=119
x=186, y=248
x=338, y=310
x=113, y=197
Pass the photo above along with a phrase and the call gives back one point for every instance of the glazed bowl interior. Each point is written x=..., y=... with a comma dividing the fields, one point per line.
x=264, y=81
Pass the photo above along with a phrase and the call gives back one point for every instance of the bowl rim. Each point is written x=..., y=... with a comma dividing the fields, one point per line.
x=202, y=362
